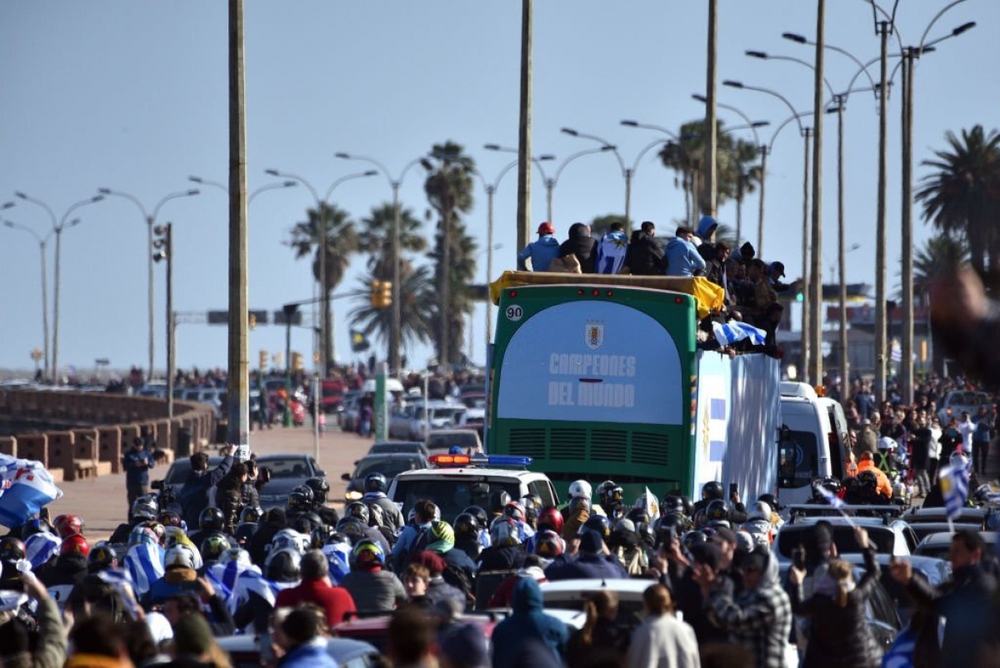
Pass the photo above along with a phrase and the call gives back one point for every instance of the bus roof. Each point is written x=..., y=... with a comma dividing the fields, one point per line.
x=707, y=295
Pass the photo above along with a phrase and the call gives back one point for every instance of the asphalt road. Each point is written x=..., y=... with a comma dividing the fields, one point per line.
x=102, y=502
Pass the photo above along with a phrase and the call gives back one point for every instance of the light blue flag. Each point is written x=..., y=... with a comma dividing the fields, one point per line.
x=954, y=488
x=730, y=332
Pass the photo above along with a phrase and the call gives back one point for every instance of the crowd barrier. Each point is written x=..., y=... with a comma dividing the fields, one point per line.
x=103, y=426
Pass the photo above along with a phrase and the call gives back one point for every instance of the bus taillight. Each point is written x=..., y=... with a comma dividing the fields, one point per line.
x=678, y=300
x=513, y=293
x=579, y=293
x=610, y=293
x=596, y=293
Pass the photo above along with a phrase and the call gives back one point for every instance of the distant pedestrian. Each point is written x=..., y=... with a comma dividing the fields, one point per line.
x=662, y=639
x=136, y=463
x=611, y=250
x=542, y=251
x=981, y=439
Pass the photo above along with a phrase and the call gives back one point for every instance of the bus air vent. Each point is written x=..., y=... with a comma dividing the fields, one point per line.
x=650, y=448
x=567, y=443
x=608, y=445
x=527, y=443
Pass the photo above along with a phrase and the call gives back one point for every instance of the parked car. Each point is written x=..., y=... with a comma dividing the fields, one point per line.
x=925, y=529
x=895, y=538
x=412, y=421
x=389, y=464
x=937, y=544
x=333, y=395
x=244, y=651
x=213, y=396
x=441, y=441
x=287, y=473
x=385, y=447
x=957, y=402
x=178, y=473
x=939, y=514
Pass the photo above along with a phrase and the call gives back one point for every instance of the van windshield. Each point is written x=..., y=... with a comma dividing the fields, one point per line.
x=797, y=459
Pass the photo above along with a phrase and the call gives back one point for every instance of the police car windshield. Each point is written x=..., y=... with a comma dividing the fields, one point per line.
x=452, y=496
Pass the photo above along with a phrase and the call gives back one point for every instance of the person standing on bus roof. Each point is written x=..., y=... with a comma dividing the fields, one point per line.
x=541, y=251
x=683, y=258
x=645, y=255
x=581, y=244
x=612, y=250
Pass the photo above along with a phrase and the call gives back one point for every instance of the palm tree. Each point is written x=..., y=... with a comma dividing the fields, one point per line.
x=961, y=197
x=449, y=188
x=375, y=238
x=341, y=241
x=939, y=256
x=417, y=301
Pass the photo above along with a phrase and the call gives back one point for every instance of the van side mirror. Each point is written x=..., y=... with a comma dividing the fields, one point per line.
x=346, y=477
x=156, y=484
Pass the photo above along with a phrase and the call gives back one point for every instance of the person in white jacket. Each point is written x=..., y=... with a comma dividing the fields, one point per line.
x=966, y=427
x=662, y=640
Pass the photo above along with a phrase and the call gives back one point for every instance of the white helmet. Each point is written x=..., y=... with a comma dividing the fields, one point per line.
x=580, y=489
x=958, y=459
x=744, y=541
x=886, y=443
x=179, y=555
x=760, y=510
x=290, y=538
x=760, y=531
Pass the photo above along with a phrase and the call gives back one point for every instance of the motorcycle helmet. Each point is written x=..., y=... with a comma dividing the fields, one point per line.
x=251, y=514
x=306, y=523
x=532, y=504
x=717, y=510
x=515, y=511
x=367, y=554
x=359, y=511
x=548, y=544
x=505, y=532
x=211, y=519
x=101, y=557
x=481, y=516
x=498, y=501
x=771, y=500
x=692, y=538
x=213, y=547
x=550, y=518
x=245, y=531
x=283, y=565
x=466, y=527
x=74, y=544
x=320, y=536
x=179, y=556
x=580, y=489
x=577, y=505
x=69, y=525
x=598, y=523
x=638, y=515
x=290, y=539
x=300, y=500
x=712, y=490
x=760, y=531
x=376, y=482
x=609, y=494
x=169, y=518
x=672, y=503
x=237, y=555
x=759, y=510
x=143, y=508
x=320, y=488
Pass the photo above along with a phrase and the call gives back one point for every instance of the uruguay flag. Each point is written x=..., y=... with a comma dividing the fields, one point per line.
x=730, y=332
x=338, y=556
x=226, y=578
x=25, y=487
x=254, y=583
x=41, y=547
x=144, y=563
x=954, y=488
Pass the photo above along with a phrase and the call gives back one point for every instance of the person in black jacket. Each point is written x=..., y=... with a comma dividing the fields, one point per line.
x=271, y=523
x=194, y=496
x=582, y=245
x=645, y=255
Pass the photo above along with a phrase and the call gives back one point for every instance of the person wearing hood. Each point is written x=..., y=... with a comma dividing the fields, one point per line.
x=527, y=622
x=462, y=573
x=760, y=617
x=582, y=245
x=593, y=560
x=612, y=250
x=304, y=641
x=541, y=251
x=645, y=255
x=706, y=230
x=438, y=590
x=683, y=258
x=662, y=639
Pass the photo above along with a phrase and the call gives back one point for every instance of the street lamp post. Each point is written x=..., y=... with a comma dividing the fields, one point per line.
x=626, y=172
x=326, y=349
x=396, y=313
x=164, y=250
x=250, y=198
x=550, y=183
x=42, y=243
x=150, y=219
x=57, y=229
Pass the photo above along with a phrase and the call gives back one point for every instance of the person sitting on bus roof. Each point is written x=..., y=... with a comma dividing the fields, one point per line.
x=645, y=256
x=683, y=258
x=581, y=244
x=541, y=251
x=612, y=250
x=706, y=229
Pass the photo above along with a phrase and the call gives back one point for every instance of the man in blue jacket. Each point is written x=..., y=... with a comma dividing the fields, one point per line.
x=593, y=560
x=136, y=463
x=683, y=258
x=527, y=625
x=541, y=251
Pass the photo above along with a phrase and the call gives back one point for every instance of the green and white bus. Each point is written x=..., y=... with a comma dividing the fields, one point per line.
x=599, y=377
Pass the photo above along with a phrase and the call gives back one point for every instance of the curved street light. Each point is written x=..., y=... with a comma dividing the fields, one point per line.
x=57, y=229
x=42, y=243
x=627, y=172
x=150, y=219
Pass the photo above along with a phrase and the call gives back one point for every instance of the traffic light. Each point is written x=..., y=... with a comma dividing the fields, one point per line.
x=263, y=359
x=386, y=299
x=297, y=362
x=375, y=294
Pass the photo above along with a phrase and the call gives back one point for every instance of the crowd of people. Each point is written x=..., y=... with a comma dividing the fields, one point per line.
x=750, y=285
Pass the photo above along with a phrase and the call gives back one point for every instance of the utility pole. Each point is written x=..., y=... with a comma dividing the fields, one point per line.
x=807, y=351
x=711, y=127
x=395, y=313
x=524, y=131
x=760, y=203
x=906, y=365
x=845, y=369
x=239, y=362
x=880, y=231
x=816, y=293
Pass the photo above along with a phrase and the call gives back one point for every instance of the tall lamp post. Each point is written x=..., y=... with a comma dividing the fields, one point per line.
x=326, y=351
x=250, y=198
x=57, y=228
x=551, y=182
x=150, y=218
x=42, y=243
x=626, y=172
x=806, y=133
x=163, y=249
x=396, y=313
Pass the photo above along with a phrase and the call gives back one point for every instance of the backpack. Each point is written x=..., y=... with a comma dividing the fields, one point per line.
x=458, y=578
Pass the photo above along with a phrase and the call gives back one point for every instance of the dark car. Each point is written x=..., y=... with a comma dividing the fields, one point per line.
x=287, y=473
x=178, y=474
x=389, y=464
x=386, y=447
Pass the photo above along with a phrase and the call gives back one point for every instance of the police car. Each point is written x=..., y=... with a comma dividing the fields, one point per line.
x=454, y=482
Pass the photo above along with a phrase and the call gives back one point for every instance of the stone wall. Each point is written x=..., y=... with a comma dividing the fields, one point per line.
x=105, y=423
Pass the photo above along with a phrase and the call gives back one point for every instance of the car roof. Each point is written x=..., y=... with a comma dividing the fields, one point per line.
x=290, y=455
x=450, y=432
x=944, y=537
x=836, y=520
x=918, y=515
x=390, y=456
x=471, y=473
x=627, y=588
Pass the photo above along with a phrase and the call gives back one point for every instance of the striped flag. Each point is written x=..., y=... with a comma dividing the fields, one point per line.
x=954, y=488
x=734, y=330
x=831, y=498
x=338, y=556
x=254, y=583
x=25, y=487
x=228, y=576
x=41, y=547
x=121, y=582
x=144, y=563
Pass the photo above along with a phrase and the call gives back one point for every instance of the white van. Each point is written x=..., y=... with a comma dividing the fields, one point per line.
x=812, y=441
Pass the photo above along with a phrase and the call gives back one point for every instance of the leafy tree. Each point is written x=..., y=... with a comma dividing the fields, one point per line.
x=341, y=242
x=449, y=188
x=687, y=159
x=418, y=307
x=961, y=196
x=940, y=255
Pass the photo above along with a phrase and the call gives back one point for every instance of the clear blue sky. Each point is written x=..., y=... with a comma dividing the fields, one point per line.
x=133, y=96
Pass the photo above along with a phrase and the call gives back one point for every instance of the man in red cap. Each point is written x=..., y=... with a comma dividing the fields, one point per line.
x=541, y=251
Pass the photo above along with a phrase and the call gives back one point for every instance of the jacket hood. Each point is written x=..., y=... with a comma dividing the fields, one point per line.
x=675, y=242
x=527, y=596
x=705, y=226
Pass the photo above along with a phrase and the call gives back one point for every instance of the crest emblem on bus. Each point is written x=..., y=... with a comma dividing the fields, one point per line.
x=594, y=335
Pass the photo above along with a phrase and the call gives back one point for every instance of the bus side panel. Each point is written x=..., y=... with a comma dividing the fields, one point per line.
x=711, y=419
x=755, y=415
